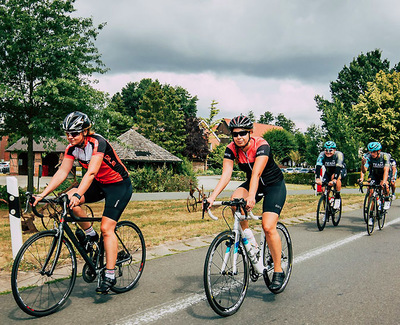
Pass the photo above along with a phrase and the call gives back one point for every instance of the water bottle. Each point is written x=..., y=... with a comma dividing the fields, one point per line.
x=379, y=204
x=331, y=201
x=252, y=240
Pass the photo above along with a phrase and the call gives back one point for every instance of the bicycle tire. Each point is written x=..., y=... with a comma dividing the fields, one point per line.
x=337, y=214
x=286, y=259
x=131, y=256
x=321, y=213
x=191, y=203
x=372, y=212
x=365, y=207
x=225, y=291
x=382, y=218
x=36, y=293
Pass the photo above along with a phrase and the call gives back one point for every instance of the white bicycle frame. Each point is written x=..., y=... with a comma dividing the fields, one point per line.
x=257, y=262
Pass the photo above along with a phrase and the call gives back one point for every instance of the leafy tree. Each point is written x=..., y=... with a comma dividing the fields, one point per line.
x=336, y=115
x=266, y=118
x=300, y=144
x=251, y=116
x=286, y=123
x=132, y=95
x=196, y=141
x=216, y=157
x=213, y=113
x=110, y=122
x=187, y=103
x=46, y=57
x=295, y=156
x=160, y=119
x=282, y=143
x=314, y=137
x=377, y=115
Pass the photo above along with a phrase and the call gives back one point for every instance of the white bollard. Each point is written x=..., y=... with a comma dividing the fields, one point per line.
x=14, y=214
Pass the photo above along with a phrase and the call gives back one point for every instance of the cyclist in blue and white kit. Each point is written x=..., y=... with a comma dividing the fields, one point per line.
x=378, y=165
x=335, y=169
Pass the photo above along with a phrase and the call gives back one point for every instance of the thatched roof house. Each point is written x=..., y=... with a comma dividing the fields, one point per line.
x=132, y=146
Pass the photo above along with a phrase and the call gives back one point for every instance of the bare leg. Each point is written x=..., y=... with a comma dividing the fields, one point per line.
x=110, y=241
x=269, y=222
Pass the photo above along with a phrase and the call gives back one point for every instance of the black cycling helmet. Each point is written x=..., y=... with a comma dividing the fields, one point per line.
x=76, y=122
x=241, y=122
x=374, y=146
x=330, y=145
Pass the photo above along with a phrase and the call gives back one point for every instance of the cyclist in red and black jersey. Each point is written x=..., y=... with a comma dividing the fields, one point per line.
x=106, y=178
x=264, y=179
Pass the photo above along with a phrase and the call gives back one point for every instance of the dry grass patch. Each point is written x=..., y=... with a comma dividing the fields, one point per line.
x=165, y=221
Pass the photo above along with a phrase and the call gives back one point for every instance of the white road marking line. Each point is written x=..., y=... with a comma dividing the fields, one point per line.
x=174, y=306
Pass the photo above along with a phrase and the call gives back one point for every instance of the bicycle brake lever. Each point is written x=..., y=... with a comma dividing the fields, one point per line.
x=205, y=205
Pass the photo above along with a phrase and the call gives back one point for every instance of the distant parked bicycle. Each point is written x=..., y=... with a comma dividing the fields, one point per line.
x=231, y=260
x=326, y=207
x=45, y=268
x=377, y=207
x=194, y=198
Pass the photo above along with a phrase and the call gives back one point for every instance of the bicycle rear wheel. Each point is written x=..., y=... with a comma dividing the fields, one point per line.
x=286, y=259
x=37, y=290
x=337, y=214
x=372, y=213
x=131, y=256
x=225, y=289
x=321, y=213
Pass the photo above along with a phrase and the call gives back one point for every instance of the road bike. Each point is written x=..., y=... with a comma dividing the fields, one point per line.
x=326, y=208
x=231, y=261
x=377, y=206
x=45, y=268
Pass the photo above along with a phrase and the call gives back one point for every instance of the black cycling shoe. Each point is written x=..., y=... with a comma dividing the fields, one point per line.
x=106, y=285
x=277, y=280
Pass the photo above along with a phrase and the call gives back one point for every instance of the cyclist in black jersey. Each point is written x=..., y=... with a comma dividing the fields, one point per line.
x=106, y=178
x=335, y=169
x=264, y=179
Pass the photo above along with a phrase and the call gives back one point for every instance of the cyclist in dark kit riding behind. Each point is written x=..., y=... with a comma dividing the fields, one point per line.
x=335, y=169
x=264, y=178
x=106, y=178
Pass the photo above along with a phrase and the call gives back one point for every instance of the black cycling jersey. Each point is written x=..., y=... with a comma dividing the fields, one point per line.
x=333, y=165
x=376, y=165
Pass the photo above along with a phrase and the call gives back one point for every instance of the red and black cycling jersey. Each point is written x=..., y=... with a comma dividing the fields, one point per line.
x=111, y=170
x=258, y=147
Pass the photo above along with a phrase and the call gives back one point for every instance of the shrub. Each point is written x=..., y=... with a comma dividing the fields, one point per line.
x=161, y=179
x=301, y=178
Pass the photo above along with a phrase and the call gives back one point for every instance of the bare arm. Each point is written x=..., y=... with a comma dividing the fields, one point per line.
x=57, y=179
x=227, y=168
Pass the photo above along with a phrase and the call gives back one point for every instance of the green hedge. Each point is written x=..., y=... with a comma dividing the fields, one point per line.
x=301, y=178
x=163, y=179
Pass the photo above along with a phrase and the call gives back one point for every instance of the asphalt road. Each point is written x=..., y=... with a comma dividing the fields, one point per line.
x=340, y=276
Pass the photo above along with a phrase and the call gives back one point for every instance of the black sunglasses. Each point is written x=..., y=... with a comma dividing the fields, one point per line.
x=329, y=150
x=241, y=133
x=72, y=134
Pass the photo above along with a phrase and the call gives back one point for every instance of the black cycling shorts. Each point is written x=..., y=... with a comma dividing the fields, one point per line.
x=274, y=195
x=328, y=176
x=116, y=195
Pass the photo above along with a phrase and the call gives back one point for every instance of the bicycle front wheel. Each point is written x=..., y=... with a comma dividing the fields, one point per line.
x=372, y=213
x=321, y=213
x=365, y=206
x=131, y=256
x=225, y=288
x=37, y=289
x=286, y=259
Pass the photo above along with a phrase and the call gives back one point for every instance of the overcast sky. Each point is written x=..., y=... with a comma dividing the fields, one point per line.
x=254, y=55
